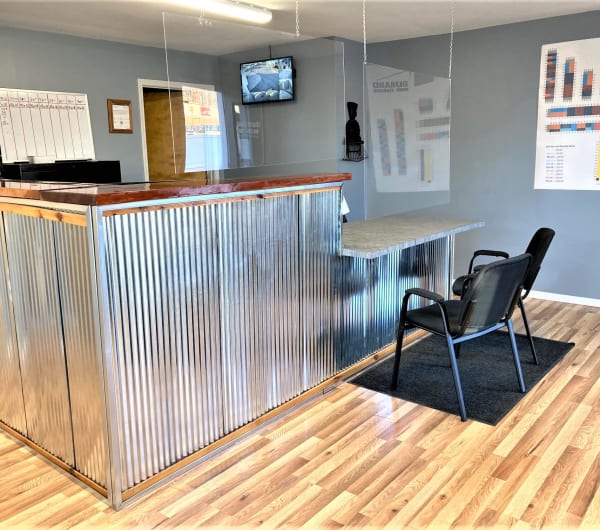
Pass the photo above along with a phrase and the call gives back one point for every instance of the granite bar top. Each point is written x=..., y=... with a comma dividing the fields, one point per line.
x=108, y=194
x=384, y=235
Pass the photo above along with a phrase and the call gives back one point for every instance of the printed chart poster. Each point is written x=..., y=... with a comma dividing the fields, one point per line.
x=46, y=124
x=409, y=118
x=568, y=134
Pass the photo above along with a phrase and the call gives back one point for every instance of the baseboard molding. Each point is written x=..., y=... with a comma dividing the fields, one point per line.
x=565, y=298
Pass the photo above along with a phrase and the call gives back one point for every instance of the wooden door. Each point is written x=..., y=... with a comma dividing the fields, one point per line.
x=164, y=122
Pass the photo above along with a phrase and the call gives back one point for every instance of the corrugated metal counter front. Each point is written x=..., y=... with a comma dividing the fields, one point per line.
x=145, y=323
x=144, y=326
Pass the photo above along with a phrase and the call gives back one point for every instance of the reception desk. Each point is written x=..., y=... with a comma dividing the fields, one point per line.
x=142, y=326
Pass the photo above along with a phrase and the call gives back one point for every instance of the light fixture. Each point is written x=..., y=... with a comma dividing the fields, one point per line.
x=230, y=8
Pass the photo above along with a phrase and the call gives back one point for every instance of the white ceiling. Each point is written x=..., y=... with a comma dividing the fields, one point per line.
x=141, y=21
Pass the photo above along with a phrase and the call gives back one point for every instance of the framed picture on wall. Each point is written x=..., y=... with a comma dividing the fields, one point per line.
x=119, y=116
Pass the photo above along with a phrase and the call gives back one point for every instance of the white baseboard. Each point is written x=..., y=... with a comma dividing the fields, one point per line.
x=565, y=298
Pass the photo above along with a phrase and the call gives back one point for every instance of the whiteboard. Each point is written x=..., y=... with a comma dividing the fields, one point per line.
x=55, y=125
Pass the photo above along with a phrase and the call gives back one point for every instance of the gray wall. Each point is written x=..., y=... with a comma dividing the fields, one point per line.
x=299, y=137
x=44, y=61
x=494, y=97
x=493, y=142
x=293, y=132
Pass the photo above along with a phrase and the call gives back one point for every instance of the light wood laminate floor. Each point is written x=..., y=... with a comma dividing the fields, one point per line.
x=355, y=458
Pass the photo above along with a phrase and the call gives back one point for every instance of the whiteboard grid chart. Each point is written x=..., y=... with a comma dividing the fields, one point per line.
x=53, y=125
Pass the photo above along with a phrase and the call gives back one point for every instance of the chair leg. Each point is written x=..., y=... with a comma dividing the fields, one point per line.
x=527, y=330
x=457, y=349
x=459, y=392
x=399, y=340
x=513, y=343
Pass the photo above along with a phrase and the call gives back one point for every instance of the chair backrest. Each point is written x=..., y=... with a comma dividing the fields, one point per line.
x=493, y=293
x=538, y=246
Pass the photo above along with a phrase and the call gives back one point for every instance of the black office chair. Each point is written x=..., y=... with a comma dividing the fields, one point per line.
x=486, y=306
x=538, y=247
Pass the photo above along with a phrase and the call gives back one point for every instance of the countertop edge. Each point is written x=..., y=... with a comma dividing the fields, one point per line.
x=122, y=194
x=353, y=251
x=87, y=194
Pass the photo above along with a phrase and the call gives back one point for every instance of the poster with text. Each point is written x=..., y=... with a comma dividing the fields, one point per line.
x=52, y=125
x=409, y=123
x=568, y=133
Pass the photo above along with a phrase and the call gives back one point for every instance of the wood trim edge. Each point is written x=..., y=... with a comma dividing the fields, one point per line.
x=44, y=213
x=54, y=460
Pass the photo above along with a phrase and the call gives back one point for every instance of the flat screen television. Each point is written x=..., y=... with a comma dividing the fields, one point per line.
x=268, y=80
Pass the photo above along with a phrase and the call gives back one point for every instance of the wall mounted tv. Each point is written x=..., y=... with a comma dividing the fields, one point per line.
x=268, y=80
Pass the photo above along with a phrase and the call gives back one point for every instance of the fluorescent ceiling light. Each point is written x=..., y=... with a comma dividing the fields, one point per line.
x=230, y=8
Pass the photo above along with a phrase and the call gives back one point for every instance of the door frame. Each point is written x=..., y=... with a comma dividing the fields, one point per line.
x=165, y=85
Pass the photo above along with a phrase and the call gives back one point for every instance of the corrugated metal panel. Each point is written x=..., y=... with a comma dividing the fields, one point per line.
x=79, y=326
x=32, y=268
x=260, y=324
x=221, y=312
x=12, y=409
x=206, y=317
x=162, y=279
x=372, y=292
x=351, y=276
x=319, y=247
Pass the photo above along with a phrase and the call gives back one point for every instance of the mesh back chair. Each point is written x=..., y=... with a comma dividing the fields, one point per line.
x=537, y=248
x=486, y=306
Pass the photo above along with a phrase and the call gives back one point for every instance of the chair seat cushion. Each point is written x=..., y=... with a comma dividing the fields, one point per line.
x=429, y=317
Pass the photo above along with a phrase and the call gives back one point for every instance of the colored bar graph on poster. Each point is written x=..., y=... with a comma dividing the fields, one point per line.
x=434, y=122
x=426, y=105
x=426, y=169
x=569, y=78
x=551, y=60
x=573, y=127
x=400, y=141
x=566, y=112
x=588, y=79
x=434, y=136
x=384, y=146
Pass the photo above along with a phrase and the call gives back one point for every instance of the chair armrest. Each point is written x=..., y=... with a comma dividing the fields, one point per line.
x=424, y=293
x=484, y=252
x=497, y=253
x=461, y=284
x=438, y=300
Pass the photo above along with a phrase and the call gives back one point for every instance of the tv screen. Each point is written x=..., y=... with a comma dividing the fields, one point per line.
x=268, y=80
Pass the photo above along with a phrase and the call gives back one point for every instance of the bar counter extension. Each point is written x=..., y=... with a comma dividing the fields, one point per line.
x=143, y=326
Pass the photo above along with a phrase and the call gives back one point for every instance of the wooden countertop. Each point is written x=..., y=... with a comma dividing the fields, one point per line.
x=384, y=235
x=24, y=189
x=107, y=194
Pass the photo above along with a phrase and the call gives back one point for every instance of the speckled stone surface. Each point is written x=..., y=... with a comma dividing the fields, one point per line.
x=384, y=235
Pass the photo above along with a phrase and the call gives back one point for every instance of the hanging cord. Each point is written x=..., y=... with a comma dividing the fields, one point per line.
x=169, y=85
x=450, y=92
x=364, y=23
x=451, y=38
x=297, y=20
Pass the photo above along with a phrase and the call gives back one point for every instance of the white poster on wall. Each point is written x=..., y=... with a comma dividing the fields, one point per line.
x=49, y=125
x=568, y=132
x=409, y=122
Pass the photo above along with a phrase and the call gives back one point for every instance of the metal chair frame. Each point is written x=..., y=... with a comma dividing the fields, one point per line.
x=462, y=335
